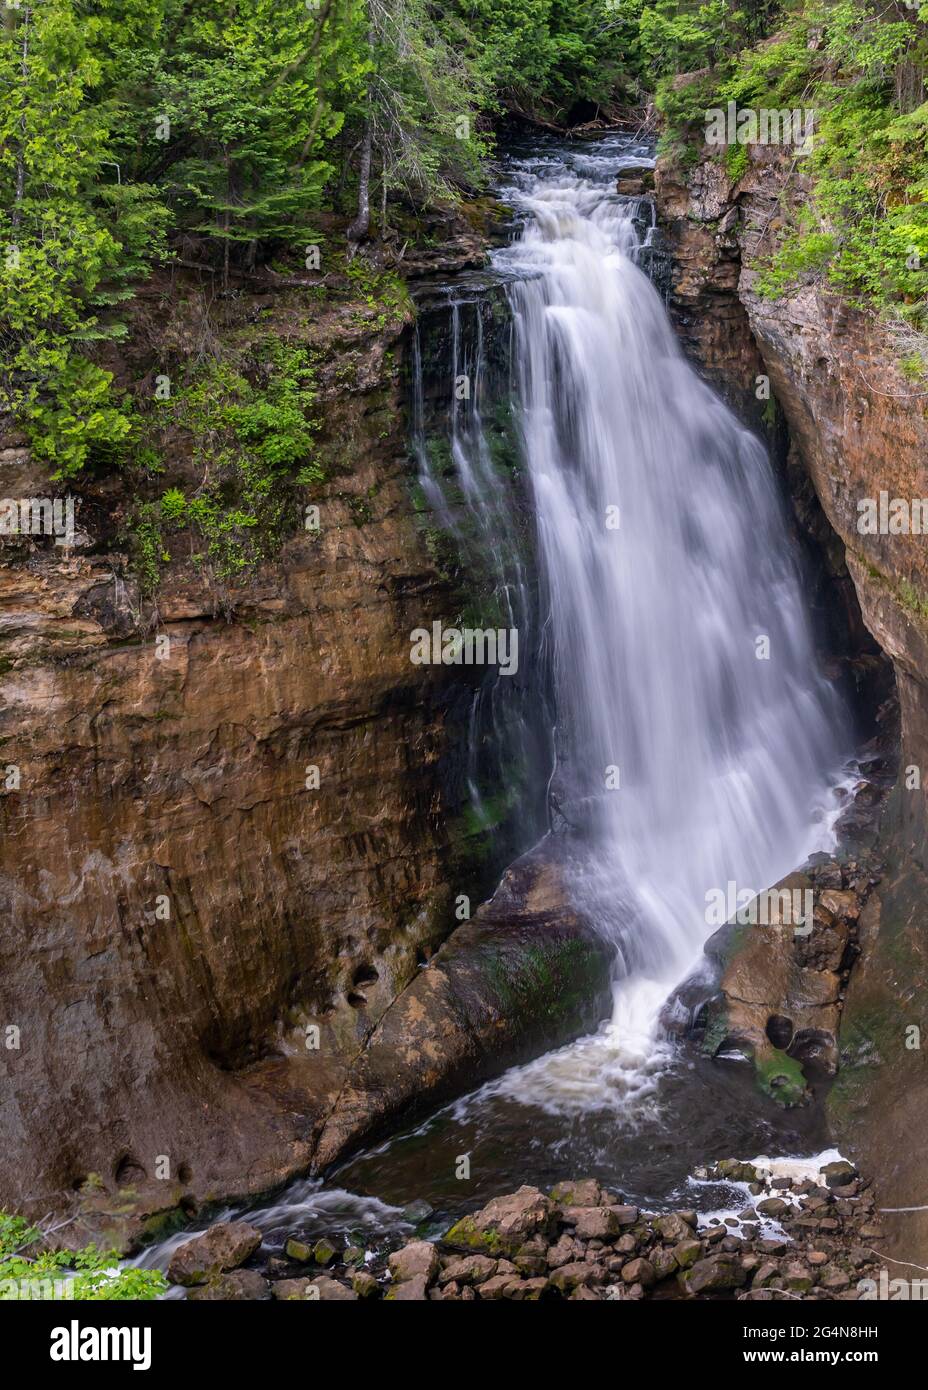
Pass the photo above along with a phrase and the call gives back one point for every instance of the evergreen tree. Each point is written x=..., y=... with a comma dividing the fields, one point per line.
x=421, y=109
x=243, y=104
x=71, y=233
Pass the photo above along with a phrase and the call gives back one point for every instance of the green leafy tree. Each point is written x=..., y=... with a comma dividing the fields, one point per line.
x=678, y=37
x=541, y=57
x=72, y=234
x=421, y=107
x=245, y=100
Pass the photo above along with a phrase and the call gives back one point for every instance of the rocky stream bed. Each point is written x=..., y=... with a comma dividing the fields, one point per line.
x=809, y=1237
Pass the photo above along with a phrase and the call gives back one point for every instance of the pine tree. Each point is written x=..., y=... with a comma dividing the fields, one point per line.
x=252, y=94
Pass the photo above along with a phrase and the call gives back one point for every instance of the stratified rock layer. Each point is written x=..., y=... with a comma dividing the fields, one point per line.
x=197, y=940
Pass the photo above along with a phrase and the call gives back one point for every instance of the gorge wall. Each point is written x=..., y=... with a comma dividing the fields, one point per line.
x=178, y=906
x=856, y=426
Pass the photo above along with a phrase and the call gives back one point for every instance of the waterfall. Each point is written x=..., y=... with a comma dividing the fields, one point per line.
x=696, y=742
x=465, y=449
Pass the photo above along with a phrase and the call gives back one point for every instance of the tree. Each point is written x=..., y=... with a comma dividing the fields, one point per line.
x=247, y=99
x=421, y=108
x=72, y=234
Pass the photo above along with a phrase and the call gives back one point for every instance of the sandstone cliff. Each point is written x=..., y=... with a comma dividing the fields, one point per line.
x=856, y=426
x=196, y=942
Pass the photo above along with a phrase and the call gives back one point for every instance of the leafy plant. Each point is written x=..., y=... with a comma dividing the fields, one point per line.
x=31, y=1269
x=253, y=439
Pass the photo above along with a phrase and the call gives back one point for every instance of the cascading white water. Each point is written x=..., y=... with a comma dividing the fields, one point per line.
x=684, y=668
x=726, y=762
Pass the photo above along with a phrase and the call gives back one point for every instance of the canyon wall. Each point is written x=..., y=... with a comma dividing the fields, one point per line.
x=181, y=906
x=857, y=425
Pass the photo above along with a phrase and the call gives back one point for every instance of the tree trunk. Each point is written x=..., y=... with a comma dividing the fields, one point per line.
x=910, y=85
x=360, y=227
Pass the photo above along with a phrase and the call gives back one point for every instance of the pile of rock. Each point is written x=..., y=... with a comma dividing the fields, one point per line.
x=807, y=1239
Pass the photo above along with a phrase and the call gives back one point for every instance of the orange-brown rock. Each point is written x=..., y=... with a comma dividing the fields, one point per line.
x=180, y=906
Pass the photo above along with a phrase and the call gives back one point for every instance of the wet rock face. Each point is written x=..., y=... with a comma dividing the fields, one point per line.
x=178, y=903
x=700, y=224
x=782, y=984
x=857, y=426
x=525, y=975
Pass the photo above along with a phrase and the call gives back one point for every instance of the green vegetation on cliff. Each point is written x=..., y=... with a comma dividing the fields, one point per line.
x=252, y=140
x=238, y=138
x=856, y=70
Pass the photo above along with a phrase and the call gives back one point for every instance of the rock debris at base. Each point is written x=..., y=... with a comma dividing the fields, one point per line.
x=791, y=1239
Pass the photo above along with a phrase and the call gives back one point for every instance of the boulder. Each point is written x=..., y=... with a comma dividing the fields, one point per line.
x=673, y=1228
x=594, y=1223
x=414, y=1290
x=664, y=1263
x=765, y=1274
x=330, y=1291
x=797, y=1276
x=626, y=1216
x=635, y=179
x=843, y=905
x=474, y=1269
x=839, y=1173
x=501, y=1286
x=772, y=1206
x=504, y=1224
x=717, y=1272
x=287, y=1289
x=221, y=1248
x=418, y=1259
x=639, y=1271
x=324, y=1252
x=687, y=1252
x=569, y=1277
x=417, y=1212
x=780, y=988
x=584, y=1193
x=239, y=1286
x=563, y=1252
